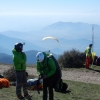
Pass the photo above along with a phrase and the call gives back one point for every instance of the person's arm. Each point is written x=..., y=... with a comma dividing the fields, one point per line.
x=24, y=56
x=20, y=59
x=52, y=67
x=39, y=71
x=85, y=50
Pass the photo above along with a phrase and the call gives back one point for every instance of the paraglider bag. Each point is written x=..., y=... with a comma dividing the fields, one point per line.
x=61, y=87
x=58, y=70
x=4, y=82
x=34, y=84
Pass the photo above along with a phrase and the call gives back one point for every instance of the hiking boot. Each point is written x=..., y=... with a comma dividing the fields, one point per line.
x=28, y=97
x=20, y=97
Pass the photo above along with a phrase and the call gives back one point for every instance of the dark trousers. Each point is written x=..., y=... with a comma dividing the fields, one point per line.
x=48, y=85
x=21, y=82
x=45, y=93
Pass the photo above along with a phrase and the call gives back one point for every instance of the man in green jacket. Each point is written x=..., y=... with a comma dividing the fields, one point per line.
x=19, y=60
x=47, y=70
x=88, y=55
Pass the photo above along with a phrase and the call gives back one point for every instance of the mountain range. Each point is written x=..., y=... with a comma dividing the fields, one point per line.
x=31, y=57
x=7, y=44
x=70, y=35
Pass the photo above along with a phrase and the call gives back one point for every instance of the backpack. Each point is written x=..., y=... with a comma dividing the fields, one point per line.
x=61, y=87
x=58, y=70
x=4, y=82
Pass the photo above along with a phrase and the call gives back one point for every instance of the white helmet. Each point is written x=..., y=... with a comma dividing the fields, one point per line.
x=40, y=56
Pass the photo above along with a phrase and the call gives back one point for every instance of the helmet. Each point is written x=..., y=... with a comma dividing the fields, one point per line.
x=40, y=56
x=18, y=47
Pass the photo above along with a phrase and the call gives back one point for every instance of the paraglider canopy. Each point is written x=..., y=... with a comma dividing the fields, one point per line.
x=50, y=43
x=50, y=37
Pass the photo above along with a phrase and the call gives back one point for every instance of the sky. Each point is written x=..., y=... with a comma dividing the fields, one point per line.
x=28, y=15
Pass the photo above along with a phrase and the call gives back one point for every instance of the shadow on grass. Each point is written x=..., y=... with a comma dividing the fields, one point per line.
x=65, y=92
x=68, y=91
x=94, y=70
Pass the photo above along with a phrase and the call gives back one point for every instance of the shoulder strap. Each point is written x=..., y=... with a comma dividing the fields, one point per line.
x=47, y=61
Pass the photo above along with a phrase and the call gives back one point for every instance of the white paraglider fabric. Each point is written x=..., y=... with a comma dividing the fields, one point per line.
x=50, y=37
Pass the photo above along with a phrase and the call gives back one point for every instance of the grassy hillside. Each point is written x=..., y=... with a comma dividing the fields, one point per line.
x=79, y=91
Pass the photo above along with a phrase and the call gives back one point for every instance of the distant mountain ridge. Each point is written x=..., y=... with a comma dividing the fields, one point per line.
x=70, y=35
x=31, y=57
x=7, y=44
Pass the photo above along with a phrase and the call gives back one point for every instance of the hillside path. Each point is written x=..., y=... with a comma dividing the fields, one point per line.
x=87, y=76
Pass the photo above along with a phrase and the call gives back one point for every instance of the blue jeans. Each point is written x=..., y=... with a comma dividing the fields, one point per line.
x=21, y=82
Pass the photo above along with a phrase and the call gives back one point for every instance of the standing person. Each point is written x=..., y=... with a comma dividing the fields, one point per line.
x=88, y=55
x=19, y=60
x=46, y=68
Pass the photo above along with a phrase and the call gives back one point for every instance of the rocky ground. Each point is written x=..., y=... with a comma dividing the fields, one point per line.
x=82, y=75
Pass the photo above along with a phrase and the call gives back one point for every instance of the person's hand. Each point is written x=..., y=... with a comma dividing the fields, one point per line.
x=42, y=76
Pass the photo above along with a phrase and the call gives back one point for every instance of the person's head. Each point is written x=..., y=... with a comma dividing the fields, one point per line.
x=18, y=47
x=90, y=45
x=40, y=56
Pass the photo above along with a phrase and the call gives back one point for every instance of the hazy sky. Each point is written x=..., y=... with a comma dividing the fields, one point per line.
x=27, y=15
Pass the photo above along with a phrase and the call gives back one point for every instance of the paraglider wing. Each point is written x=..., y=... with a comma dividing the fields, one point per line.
x=49, y=37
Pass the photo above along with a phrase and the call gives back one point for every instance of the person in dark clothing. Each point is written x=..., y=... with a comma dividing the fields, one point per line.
x=47, y=70
x=98, y=61
x=19, y=60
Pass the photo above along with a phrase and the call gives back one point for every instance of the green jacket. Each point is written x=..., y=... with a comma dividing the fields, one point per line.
x=45, y=68
x=88, y=51
x=19, y=60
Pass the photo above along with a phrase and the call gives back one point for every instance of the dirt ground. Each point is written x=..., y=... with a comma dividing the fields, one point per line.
x=82, y=75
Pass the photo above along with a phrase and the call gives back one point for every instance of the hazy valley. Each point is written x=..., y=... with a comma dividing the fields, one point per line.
x=70, y=35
